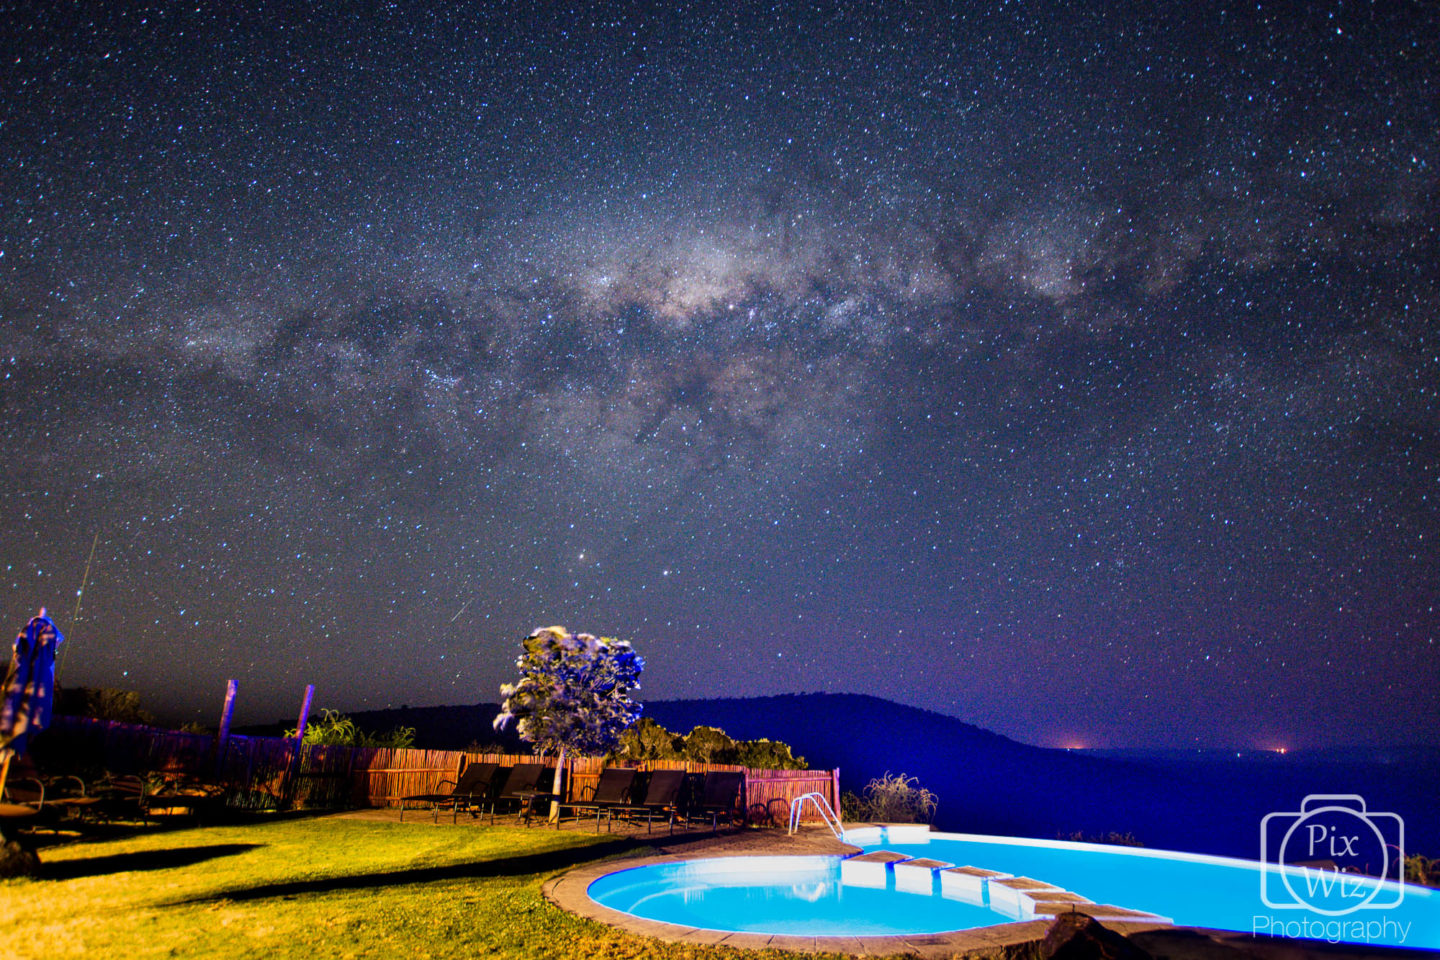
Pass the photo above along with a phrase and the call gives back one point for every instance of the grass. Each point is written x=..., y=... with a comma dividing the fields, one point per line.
x=318, y=887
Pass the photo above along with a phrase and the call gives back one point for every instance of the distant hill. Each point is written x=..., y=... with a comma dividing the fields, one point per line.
x=445, y=728
x=990, y=784
x=986, y=783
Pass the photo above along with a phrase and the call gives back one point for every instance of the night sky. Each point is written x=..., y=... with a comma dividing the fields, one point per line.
x=1073, y=372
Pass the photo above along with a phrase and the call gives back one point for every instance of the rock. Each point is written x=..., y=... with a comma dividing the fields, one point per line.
x=1075, y=936
x=16, y=861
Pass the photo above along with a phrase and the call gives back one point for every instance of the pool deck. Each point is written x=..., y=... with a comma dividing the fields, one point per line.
x=568, y=892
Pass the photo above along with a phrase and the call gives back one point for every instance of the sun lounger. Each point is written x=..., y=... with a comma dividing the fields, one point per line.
x=472, y=790
x=719, y=795
x=523, y=787
x=611, y=792
x=662, y=796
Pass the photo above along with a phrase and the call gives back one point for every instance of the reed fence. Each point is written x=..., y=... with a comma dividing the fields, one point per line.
x=274, y=771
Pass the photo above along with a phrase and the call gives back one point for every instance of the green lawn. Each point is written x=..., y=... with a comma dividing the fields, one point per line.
x=316, y=888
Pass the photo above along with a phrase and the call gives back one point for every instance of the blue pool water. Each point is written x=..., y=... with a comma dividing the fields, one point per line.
x=820, y=896
x=795, y=896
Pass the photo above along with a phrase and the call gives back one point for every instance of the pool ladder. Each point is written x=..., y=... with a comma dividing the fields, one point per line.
x=822, y=807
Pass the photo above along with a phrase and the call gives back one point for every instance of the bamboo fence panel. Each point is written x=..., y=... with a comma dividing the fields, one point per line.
x=770, y=793
x=391, y=774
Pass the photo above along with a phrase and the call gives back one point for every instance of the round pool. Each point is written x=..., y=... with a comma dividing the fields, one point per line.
x=791, y=896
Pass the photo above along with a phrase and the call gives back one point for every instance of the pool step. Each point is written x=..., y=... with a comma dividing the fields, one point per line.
x=1013, y=896
x=967, y=884
x=1049, y=902
x=878, y=856
x=918, y=876
x=870, y=869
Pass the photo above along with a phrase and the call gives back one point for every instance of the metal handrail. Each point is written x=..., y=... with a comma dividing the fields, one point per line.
x=822, y=806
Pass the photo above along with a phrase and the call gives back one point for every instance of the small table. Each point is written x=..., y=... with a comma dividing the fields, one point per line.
x=528, y=799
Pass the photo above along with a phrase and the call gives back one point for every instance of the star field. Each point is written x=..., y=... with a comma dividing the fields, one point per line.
x=1070, y=370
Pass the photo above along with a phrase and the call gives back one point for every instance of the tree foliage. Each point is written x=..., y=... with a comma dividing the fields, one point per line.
x=709, y=745
x=767, y=754
x=573, y=693
x=648, y=740
x=103, y=703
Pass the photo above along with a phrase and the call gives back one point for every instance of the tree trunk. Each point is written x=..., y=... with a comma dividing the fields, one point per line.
x=559, y=788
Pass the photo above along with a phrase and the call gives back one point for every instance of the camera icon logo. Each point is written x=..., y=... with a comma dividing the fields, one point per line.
x=1332, y=856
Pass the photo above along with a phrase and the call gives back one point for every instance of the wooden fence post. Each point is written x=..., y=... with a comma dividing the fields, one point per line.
x=304, y=712
x=222, y=738
x=835, y=791
x=292, y=770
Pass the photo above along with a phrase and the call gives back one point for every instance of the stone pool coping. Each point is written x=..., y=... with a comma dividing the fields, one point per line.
x=568, y=891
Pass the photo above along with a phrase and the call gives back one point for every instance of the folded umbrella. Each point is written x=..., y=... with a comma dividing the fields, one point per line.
x=29, y=685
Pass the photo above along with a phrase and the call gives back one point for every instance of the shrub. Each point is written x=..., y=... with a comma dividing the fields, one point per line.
x=897, y=799
x=1423, y=870
x=335, y=729
x=1114, y=838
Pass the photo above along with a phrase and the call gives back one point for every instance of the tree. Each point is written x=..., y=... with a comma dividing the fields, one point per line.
x=103, y=703
x=767, y=754
x=573, y=694
x=709, y=745
x=647, y=740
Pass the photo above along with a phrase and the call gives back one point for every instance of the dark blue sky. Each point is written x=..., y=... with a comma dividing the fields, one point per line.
x=1072, y=371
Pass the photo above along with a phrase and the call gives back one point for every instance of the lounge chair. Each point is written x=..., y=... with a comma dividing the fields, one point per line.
x=662, y=795
x=472, y=789
x=718, y=795
x=50, y=798
x=612, y=791
x=521, y=786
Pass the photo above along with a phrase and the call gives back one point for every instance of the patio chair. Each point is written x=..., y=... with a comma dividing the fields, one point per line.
x=719, y=794
x=661, y=796
x=180, y=795
x=612, y=791
x=22, y=797
x=48, y=798
x=122, y=798
x=523, y=787
x=472, y=789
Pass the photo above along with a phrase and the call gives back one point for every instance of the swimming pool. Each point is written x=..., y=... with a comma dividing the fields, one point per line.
x=831, y=896
x=790, y=896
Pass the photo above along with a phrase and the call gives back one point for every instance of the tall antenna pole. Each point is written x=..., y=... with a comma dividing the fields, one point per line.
x=79, y=596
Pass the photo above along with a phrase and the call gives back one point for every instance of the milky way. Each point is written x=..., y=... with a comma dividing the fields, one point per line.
x=1070, y=371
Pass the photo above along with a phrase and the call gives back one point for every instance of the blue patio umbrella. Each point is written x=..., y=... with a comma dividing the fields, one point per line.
x=29, y=686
